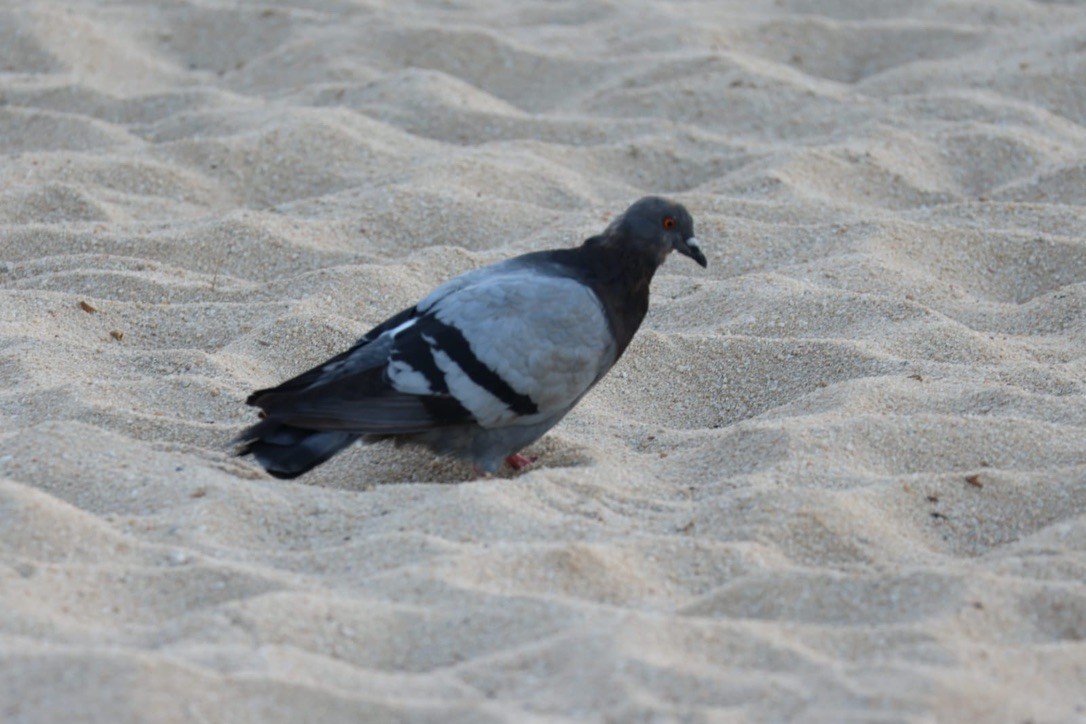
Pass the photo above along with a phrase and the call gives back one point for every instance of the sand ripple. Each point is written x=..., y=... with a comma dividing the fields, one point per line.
x=840, y=475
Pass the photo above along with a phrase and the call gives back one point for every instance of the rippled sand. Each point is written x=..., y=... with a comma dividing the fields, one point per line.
x=839, y=475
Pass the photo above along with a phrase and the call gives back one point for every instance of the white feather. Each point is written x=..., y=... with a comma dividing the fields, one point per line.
x=487, y=409
x=399, y=328
x=407, y=379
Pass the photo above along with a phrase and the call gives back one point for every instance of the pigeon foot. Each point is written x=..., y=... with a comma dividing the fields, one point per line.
x=519, y=462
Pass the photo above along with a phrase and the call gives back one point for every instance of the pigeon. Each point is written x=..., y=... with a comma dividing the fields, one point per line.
x=488, y=362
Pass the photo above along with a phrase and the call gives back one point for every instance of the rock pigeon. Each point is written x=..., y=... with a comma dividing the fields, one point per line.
x=488, y=362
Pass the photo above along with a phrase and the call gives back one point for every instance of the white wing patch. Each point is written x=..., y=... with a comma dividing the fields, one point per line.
x=487, y=409
x=407, y=379
x=396, y=330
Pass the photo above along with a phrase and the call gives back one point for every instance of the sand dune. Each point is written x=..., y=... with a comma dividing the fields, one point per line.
x=840, y=475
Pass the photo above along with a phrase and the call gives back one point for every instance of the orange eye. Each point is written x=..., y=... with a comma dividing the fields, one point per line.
x=669, y=223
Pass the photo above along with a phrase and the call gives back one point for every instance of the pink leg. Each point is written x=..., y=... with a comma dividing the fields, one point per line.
x=519, y=462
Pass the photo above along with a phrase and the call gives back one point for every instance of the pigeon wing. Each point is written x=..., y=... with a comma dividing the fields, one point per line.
x=351, y=392
x=513, y=347
x=516, y=347
x=360, y=356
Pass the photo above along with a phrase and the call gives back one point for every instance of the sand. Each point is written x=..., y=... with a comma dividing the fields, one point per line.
x=840, y=475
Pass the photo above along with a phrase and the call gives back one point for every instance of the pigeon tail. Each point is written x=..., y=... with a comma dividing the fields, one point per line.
x=286, y=451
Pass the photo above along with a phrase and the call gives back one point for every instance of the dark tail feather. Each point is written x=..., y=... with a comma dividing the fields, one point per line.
x=287, y=452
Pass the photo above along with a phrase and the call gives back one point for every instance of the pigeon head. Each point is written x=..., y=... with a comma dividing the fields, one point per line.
x=656, y=227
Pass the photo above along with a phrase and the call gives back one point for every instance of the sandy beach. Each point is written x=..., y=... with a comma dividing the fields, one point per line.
x=839, y=475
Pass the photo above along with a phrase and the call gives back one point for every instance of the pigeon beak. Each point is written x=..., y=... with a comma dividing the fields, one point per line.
x=689, y=247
